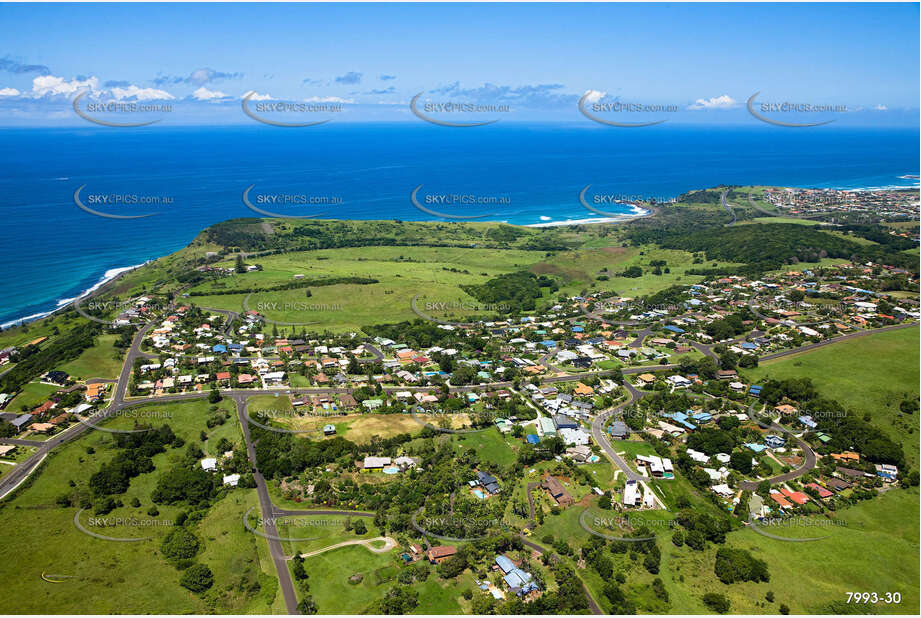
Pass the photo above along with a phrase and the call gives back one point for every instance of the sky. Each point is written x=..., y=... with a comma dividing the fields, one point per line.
x=701, y=62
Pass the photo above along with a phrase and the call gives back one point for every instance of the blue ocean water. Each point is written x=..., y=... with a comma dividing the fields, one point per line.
x=54, y=251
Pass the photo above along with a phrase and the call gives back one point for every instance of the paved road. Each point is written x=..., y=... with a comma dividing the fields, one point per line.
x=229, y=315
x=640, y=336
x=813, y=346
x=809, y=458
x=601, y=437
x=388, y=545
x=704, y=349
x=592, y=604
x=19, y=442
x=728, y=208
x=268, y=514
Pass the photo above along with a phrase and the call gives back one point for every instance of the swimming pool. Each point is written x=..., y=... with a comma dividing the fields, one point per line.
x=479, y=493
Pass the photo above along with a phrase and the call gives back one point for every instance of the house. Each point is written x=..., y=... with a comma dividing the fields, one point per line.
x=564, y=422
x=488, y=482
x=837, y=484
x=780, y=500
x=58, y=377
x=579, y=454
x=375, y=463
x=726, y=374
x=887, y=472
x=846, y=456
x=796, y=496
x=646, y=378
x=519, y=581
x=631, y=493
x=774, y=441
x=231, y=480
x=851, y=473
x=21, y=422
x=823, y=493
x=619, y=430
x=439, y=554
x=574, y=437
x=329, y=430
x=209, y=464
x=557, y=491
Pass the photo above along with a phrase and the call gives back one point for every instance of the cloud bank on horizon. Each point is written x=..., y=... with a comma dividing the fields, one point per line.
x=529, y=69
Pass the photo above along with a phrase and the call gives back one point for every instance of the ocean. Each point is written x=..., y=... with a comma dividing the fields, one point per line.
x=527, y=174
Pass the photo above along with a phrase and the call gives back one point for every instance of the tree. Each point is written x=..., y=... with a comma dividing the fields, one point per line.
x=180, y=544
x=214, y=396
x=307, y=606
x=197, y=578
x=240, y=266
x=741, y=461
x=717, y=602
x=360, y=527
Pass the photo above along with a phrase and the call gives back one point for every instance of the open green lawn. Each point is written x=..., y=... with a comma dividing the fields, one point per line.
x=100, y=361
x=33, y=394
x=490, y=446
x=432, y=273
x=319, y=531
x=126, y=577
x=329, y=575
x=870, y=374
x=808, y=577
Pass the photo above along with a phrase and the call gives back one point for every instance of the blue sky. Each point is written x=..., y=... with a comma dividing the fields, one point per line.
x=539, y=59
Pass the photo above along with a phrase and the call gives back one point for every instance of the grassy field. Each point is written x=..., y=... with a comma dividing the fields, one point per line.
x=33, y=394
x=126, y=577
x=490, y=446
x=807, y=577
x=101, y=361
x=870, y=374
x=329, y=575
x=320, y=531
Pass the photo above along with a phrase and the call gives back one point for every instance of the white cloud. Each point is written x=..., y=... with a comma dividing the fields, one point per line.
x=880, y=107
x=255, y=96
x=9, y=92
x=593, y=96
x=141, y=94
x=46, y=85
x=721, y=102
x=203, y=94
x=328, y=100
